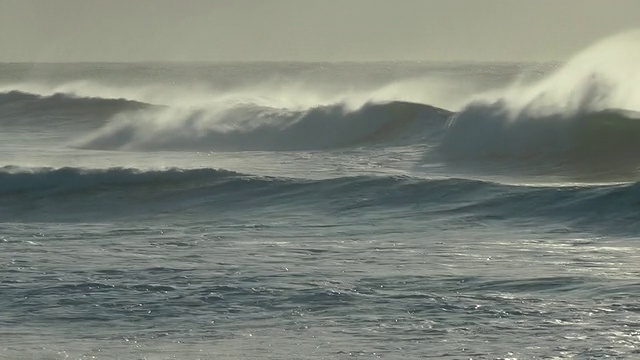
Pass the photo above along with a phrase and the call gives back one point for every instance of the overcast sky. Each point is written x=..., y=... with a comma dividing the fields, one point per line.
x=307, y=30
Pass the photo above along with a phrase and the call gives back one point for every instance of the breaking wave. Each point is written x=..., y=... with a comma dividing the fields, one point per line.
x=583, y=115
x=252, y=127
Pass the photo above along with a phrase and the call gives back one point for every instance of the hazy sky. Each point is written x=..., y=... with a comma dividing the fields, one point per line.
x=308, y=30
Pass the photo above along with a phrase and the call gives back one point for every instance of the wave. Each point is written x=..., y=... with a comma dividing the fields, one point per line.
x=279, y=85
x=74, y=194
x=602, y=141
x=17, y=107
x=582, y=117
x=325, y=106
x=18, y=180
x=252, y=127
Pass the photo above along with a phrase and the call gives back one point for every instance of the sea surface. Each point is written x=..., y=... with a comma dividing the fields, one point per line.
x=321, y=210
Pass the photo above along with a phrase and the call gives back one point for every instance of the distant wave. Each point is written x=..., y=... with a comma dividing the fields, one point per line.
x=21, y=107
x=74, y=194
x=252, y=127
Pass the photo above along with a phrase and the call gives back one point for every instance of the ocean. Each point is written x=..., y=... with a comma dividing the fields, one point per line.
x=285, y=210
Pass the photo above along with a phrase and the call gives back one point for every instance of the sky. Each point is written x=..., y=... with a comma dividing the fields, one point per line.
x=306, y=30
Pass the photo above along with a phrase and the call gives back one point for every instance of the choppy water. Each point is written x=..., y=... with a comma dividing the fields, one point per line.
x=308, y=211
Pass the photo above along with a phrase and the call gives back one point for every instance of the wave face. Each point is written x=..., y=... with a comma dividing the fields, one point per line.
x=583, y=116
x=592, y=142
x=73, y=193
x=251, y=127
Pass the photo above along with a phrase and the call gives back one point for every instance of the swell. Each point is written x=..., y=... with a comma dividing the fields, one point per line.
x=69, y=180
x=73, y=194
x=23, y=108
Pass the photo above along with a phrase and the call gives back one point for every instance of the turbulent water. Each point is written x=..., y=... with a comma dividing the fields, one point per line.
x=317, y=210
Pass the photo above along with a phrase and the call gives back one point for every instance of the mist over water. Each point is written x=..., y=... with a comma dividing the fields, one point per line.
x=318, y=210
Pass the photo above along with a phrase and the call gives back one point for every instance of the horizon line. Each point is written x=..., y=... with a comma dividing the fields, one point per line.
x=288, y=61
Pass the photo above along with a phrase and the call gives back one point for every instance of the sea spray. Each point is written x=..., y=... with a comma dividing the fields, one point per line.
x=582, y=114
x=251, y=127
